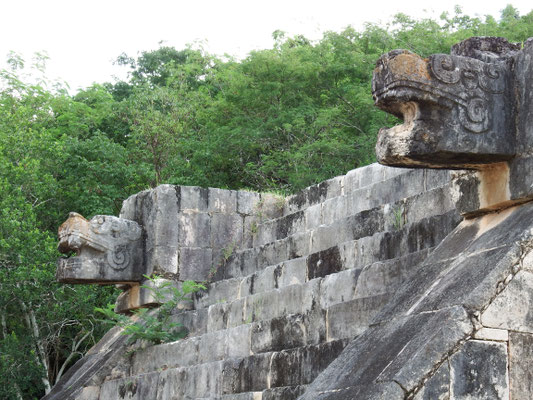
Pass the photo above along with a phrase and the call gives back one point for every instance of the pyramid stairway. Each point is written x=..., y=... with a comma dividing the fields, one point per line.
x=286, y=303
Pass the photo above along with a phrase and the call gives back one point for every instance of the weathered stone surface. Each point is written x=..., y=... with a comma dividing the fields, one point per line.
x=438, y=386
x=445, y=100
x=285, y=393
x=108, y=250
x=479, y=371
x=492, y=334
x=195, y=263
x=512, y=308
x=351, y=318
x=193, y=198
x=521, y=365
x=194, y=229
x=136, y=388
x=403, y=350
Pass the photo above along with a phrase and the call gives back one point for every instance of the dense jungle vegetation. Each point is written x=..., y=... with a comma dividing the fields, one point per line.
x=280, y=119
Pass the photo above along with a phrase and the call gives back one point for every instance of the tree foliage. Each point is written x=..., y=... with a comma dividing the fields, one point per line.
x=280, y=119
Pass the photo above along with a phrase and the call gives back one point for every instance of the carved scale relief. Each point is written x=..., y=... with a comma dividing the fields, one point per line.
x=474, y=76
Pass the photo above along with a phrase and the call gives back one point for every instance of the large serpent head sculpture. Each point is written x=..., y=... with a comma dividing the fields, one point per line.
x=108, y=250
x=457, y=109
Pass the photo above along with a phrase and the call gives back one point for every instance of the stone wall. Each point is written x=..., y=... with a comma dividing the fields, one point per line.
x=304, y=276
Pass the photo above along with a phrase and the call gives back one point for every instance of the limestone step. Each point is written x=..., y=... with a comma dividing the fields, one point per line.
x=404, y=217
x=338, y=306
x=279, y=393
x=410, y=238
x=394, y=193
x=347, y=256
x=400, y=180
x=285, y=370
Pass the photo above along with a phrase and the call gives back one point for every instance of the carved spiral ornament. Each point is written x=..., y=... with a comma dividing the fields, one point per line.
x=474, y=116
x=492, y=78
x=444, y=68
x=119, y=259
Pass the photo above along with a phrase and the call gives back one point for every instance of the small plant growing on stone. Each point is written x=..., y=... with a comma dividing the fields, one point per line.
x=154, y=326
x=398, y=221
x=254, y=228
x=228, y=251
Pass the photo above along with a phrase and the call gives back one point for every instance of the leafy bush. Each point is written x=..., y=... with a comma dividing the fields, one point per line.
x=154, y=326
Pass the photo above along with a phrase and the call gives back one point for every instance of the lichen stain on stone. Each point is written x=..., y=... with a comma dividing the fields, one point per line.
x=489, y=221
x=410, y=66
x=494, y=187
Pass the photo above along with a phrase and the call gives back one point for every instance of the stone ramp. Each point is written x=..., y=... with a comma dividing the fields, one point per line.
x=441, y=326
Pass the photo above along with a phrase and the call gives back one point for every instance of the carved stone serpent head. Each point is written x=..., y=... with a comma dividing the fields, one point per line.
x=457, y=109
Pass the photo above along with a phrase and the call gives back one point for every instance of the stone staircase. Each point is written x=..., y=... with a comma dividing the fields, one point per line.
x=286, y=303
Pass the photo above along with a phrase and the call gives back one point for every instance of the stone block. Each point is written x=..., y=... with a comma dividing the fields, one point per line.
x=323, y=238
x=251, y=228
x=261, y=306
x=433, y=202
x=370, y=174
x=236, y=313
x=391, y=172
x=338, y=288
x=435, y=178
x=280, y=333
x=249, y=261
x=253, y=373
x=324, y=263
x=313, y=216
x=521, y=365
x=347, y=252
x=296, y=202
x=195, y=321
x=299, y=299
x=302, y=365
x=239, y=341
x=290, y=224
x=195, y=263
x=267, y=279
x=162, y=260
x=217, y=317
x=143, y=387
x=334, y=209
x=266, y=233
x=294, y=272
x=511, y=309
x=479, y=371
x=351, y=180
x=492, y=334
x=272, y=206
x=194, y=229
x=317, y=193
x=437, y=387
x=359, y=200
x=163, y=356
x=194, y=198
x=273, y=253
x=352, y=318
x=299, y=245
x=212, y=346
x=222, y=201
x=226, y=231
x=248, y=203
x=218, y=292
